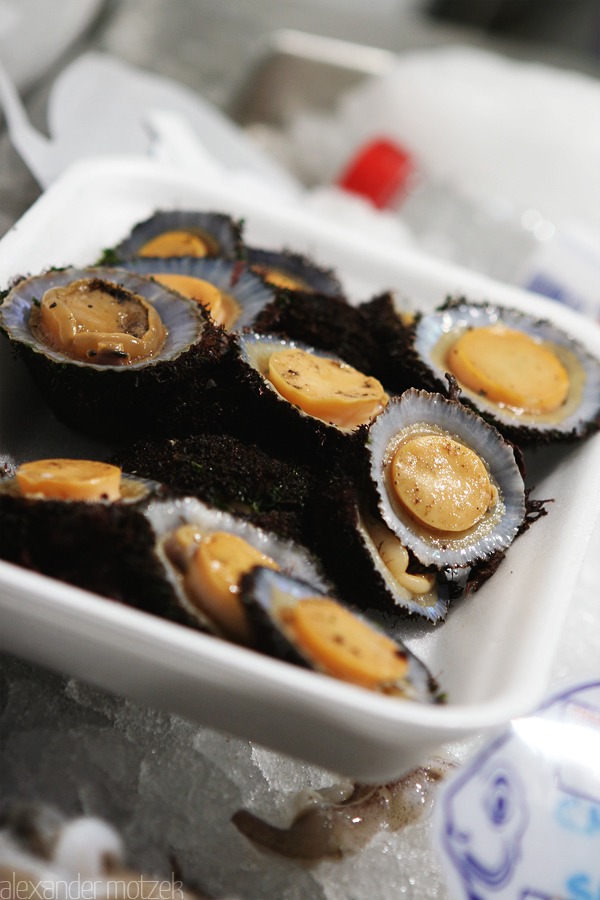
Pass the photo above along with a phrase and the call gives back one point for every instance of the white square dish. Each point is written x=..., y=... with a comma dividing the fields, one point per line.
x=493, y=654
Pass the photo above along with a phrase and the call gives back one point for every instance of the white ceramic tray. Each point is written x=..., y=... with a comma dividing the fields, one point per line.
x=493, y=654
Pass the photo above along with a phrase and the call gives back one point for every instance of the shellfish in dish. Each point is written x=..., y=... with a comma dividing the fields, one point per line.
x=368, y=563
x=207, y=551
x=529, y=378
x=232, y=294
x=309, y=398
x=82, y=522
x=325, y=322
x=108, y=349
x=447, y=483
x=180, y=233
x=294, y=622
x=292, y=271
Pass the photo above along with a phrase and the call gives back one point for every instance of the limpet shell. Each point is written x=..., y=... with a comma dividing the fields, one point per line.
x=419, y=412
x=579, y=415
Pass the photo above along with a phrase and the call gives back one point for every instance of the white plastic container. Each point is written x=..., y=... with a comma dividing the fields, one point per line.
x=494, y=653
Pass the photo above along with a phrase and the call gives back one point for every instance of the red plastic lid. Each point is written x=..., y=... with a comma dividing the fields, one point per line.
x=379, y=172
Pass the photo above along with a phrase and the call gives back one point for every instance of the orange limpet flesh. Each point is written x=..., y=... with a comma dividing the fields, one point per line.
x=441, y=483
x=509, y=367
x=344, y=646
x=100, y=322
x=214, y=575
x=196, y=289
x=280, y=279
x=175, y=243
x=222, y=307
x=70, y=479
x=326, y=388
x=395, y=558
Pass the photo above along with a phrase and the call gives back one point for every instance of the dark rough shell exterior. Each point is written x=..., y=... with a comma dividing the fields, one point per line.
x=106, y=548
x=218, y=227
x=229, y=474
x=337, y=539
x=326, y=322
x=116, y=403
x=391, y=332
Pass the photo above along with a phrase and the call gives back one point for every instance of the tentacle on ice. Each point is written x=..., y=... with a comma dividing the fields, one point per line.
x=334, y=829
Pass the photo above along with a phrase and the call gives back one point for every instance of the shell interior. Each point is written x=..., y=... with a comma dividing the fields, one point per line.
x=248, y=290
x=256, y=350
x=309, y=275
x=432, y=605
x=436, y=333
x=182, y=318
x=271, y=593
x=166, y=516
x=133, y=490
x=218, y=227
x=419, y=412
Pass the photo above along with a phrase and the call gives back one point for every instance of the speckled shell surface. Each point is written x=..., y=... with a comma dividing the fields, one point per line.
x=117, y=402
x=339, y=528
x=256, y=349
x=289, y=428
